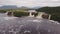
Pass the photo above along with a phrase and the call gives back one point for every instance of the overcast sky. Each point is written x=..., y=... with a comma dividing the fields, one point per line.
x=30, y=3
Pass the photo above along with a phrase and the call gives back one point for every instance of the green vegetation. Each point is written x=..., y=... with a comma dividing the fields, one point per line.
x=2, y=11
x=20, y=14
x=54, y=11
x=17, y=12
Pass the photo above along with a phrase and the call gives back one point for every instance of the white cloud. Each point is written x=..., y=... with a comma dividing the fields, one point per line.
x=31, y=3
x=54, y=0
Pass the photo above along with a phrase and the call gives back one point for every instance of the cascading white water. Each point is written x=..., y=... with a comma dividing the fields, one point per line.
x=7, y=17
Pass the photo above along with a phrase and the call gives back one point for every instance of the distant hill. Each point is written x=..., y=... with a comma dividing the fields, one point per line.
x=8, y=7
x=23, y=7
x=15, y=7
x=37, y=7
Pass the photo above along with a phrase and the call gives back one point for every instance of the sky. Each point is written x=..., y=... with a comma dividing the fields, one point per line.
x=31, y=3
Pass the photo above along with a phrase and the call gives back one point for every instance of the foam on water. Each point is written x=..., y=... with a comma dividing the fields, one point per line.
x=54, y=21
x=36, y=20
x=30, y=25
x=9, y=18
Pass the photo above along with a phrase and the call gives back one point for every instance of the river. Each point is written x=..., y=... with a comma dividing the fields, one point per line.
x=27, y=25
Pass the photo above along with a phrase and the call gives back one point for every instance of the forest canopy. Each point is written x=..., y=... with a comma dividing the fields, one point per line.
x=54, y=11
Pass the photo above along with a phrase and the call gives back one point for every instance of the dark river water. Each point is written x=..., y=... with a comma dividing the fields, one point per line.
x=27, y=25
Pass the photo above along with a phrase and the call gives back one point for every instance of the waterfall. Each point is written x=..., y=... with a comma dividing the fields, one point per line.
x=10, y=14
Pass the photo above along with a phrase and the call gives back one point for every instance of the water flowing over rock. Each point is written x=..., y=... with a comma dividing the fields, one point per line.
x=28, y=25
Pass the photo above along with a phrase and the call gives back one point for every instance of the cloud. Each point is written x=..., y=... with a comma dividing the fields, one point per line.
x=31, y=3
x=54, y=0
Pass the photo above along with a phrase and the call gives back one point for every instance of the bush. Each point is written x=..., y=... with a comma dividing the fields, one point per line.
x=55, y=17
x=20, y=14
x=2, y=11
